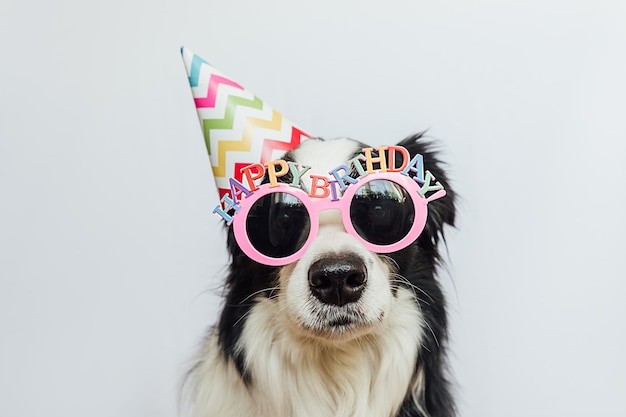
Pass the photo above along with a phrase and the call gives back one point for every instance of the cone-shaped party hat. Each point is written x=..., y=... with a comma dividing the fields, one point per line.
x=239, y=128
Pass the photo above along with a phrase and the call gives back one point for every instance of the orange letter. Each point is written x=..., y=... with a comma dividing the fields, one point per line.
x=392, y=158
x=314, y=187
x=247, y=174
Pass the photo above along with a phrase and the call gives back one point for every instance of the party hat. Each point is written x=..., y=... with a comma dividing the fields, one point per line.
x=239, y=128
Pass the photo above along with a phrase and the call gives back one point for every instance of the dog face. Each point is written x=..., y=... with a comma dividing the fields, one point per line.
x=338, y=289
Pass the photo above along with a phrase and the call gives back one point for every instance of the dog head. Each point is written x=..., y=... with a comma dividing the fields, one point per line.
x=339, y=290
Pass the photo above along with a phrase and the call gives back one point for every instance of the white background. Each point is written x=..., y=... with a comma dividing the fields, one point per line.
x=110, y=259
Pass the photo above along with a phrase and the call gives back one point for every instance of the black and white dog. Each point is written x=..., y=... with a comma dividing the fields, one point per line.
x=282, y=348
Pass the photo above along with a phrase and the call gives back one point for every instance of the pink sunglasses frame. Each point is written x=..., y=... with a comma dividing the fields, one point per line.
x=314, y=207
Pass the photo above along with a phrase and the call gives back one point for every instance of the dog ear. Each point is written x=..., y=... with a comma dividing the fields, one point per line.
x=441, y=212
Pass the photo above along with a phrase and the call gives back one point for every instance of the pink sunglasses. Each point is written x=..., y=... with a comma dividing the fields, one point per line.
x=387, y=211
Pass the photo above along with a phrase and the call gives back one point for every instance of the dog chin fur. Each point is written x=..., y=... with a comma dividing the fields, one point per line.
x=278, y=351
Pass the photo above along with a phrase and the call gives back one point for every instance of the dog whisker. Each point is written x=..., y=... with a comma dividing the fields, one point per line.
x=432, y=332
x=271, y=289
x=407, y=282
x=413, y=293
x=390, y=261
x=415, y=296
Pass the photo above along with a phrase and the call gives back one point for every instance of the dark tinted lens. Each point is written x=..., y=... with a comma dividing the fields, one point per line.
x=382, y=212
x=278, y=225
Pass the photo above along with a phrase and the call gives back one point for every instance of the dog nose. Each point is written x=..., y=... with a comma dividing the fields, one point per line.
x=338, y=280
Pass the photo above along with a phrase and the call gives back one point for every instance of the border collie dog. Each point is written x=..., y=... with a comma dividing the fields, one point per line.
x=283, y=347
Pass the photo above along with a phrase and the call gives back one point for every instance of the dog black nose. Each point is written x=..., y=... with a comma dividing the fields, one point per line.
x=338, y=280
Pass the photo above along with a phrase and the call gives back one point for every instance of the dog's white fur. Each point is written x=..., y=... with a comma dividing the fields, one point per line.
x=299, y=366
x=297, y=376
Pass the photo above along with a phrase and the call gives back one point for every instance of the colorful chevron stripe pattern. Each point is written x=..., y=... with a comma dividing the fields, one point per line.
x=239, y=128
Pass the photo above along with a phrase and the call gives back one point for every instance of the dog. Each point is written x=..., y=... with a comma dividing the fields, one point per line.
x=373, y=345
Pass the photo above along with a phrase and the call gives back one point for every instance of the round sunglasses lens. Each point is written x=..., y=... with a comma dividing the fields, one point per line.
x=382, y=212
x=278, y=225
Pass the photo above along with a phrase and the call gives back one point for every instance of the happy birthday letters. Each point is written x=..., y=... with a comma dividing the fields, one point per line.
x=385, y=159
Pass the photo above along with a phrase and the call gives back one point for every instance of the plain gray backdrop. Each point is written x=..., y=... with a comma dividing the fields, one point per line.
x=110, y=259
